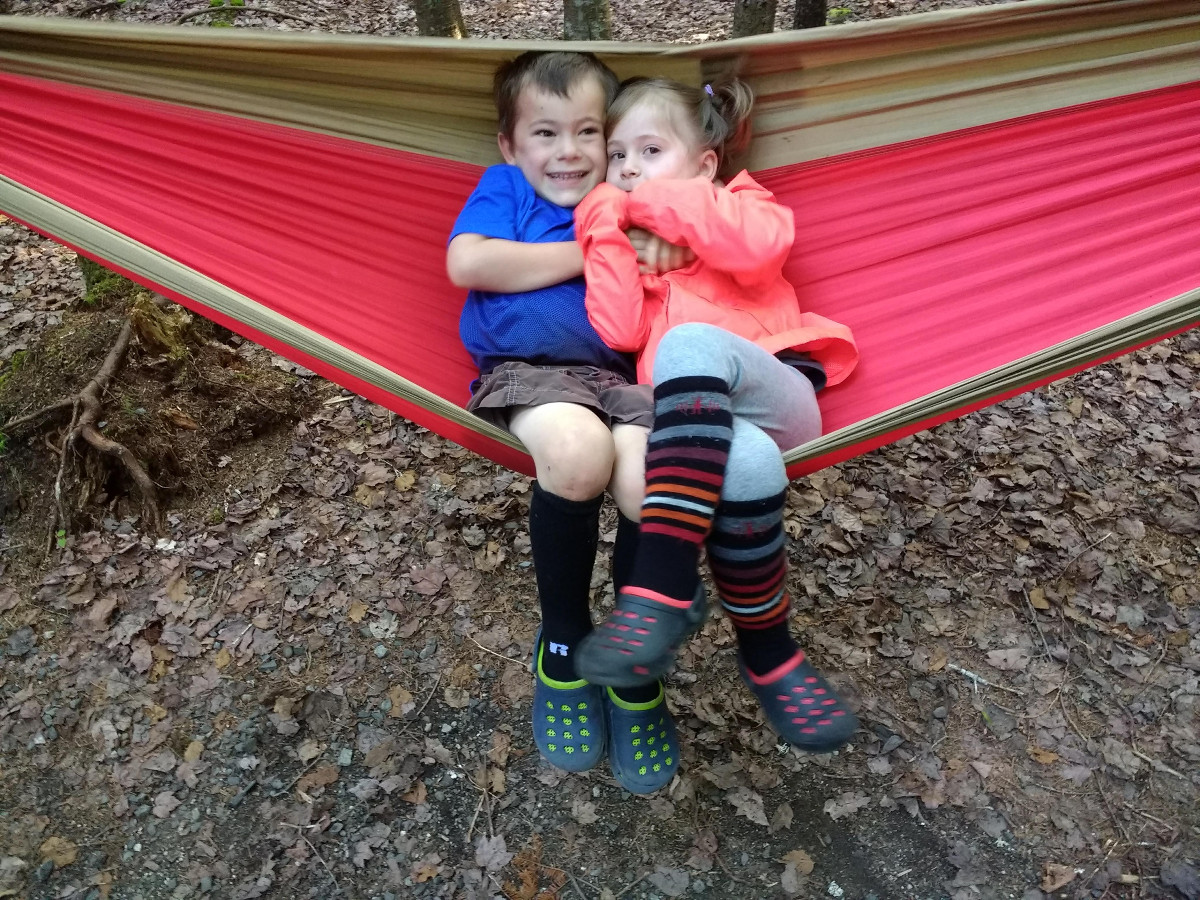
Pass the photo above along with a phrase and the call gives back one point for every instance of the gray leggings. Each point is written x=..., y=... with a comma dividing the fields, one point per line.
x=774, y=406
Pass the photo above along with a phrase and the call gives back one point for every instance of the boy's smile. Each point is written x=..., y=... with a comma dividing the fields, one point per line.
x=558, y=142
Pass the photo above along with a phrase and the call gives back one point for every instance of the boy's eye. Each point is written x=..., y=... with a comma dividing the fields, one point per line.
x=590, y=130
x=543, y=132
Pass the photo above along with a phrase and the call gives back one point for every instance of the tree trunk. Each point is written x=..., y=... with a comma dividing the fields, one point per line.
x=809, y=14
x=753, y=17
x=587, y=20
x=439, y=18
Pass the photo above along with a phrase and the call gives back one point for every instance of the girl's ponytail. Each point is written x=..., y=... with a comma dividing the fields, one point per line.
x=725, y=121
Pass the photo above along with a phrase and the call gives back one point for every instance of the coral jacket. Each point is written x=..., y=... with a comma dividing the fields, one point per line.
x=741, y=237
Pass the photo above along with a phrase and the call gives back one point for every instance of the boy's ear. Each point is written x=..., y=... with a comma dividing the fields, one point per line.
x=505, y=144
x=709, y=164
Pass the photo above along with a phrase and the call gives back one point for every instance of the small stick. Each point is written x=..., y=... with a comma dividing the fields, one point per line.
x=1037, y=624
x=578, y=889
x=495, y=654
x=336, y=888
x=625, y=890
x=312, y=762
x=1161, y=766
x=979, y=679
x=241, y=795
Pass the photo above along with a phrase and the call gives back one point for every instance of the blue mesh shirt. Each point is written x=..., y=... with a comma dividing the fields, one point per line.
x=546, y=327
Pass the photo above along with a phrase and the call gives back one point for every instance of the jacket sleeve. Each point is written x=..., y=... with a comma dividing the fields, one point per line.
x=740, y=229
x=616, y=302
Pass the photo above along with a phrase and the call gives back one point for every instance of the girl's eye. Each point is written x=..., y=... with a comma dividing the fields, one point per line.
x=616, y=156
x=651, y=151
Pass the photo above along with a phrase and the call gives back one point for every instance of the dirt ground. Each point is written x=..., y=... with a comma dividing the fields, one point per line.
x=314, y=682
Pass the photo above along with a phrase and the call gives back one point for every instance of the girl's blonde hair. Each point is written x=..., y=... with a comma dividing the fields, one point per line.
x=717, y=116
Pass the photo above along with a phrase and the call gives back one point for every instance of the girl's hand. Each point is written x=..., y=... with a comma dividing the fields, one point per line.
x=656, y=256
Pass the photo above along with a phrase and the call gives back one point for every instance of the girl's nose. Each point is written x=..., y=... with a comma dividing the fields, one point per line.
x=628, y=168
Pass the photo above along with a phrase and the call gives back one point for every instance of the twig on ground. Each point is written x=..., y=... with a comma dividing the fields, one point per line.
x=1036, y=623
x=262, y=10
x=237, y=798
x=1073, y=559
x=336, y=887
x=287, y=790
x=1157, y=764
x=578, y=889
x=625, y=890
x=979, y=679
x=497, y=655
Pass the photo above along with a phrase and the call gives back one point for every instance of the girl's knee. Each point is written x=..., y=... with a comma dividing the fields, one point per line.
x=688, y=350
x=755, y=468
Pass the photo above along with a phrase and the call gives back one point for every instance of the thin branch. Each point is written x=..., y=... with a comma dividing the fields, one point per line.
x=60, y=406
x=99, y=8
x=979, y=679
x=1160, y=766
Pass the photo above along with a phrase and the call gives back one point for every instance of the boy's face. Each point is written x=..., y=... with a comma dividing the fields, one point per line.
x=558, y=142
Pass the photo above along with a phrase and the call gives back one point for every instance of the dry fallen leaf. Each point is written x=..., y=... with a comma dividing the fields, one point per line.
x=62, y=851
x=193, y=751
x=1045, y=757
x=801, y=860
x=1055, y=877
x=357, y=612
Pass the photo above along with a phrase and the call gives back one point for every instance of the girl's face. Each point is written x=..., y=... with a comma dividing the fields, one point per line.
x=645, y=145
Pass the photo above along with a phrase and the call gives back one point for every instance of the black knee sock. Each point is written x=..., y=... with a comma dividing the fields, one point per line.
x=624, y=553
x=563, y=535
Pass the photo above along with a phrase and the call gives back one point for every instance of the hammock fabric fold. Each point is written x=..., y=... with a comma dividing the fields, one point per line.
x=1030, y=239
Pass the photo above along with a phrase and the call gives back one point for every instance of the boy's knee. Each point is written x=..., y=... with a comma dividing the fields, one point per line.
x=577, y=466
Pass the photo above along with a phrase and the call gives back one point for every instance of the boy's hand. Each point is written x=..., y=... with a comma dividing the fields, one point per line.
x=656, y=256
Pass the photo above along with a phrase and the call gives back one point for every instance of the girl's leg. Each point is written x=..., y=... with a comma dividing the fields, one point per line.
x=704, y=376
x=748, y=555
x=747, y=549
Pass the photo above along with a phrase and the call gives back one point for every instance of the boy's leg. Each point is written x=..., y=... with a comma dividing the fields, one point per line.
x=572, y=450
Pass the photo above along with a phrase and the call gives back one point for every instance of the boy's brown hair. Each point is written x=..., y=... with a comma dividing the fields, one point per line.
x=552, y=71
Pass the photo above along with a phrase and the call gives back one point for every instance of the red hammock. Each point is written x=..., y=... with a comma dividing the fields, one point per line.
x=949, y=256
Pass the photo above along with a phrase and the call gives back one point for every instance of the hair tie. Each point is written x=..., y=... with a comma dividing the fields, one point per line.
x=708, y=89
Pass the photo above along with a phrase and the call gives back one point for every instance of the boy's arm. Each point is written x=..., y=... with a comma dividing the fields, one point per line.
x=616, y=302
x=741, y=229
x=480, y=263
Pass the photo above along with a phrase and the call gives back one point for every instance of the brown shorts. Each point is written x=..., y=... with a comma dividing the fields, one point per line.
x=512, y=385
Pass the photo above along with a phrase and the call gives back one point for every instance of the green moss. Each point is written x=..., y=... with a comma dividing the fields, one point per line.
x=837, y=15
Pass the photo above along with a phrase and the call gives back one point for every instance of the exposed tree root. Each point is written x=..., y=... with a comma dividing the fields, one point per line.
x=86, y=408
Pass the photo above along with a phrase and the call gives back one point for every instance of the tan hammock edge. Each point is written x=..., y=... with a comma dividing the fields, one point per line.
x=821, y=92
x=96, y=239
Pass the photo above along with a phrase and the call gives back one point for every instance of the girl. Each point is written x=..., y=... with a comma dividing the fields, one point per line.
x=735, y=366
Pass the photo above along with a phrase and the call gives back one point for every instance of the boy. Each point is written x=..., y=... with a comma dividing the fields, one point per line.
x=547, y=377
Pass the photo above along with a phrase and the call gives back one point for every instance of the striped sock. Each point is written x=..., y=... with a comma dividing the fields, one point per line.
x=746, y=552
x=686, y=456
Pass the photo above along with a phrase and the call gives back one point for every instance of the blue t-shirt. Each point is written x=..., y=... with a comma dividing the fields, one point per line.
x=546, y=327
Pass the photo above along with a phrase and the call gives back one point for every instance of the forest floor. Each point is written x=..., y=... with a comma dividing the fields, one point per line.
x=315, y=682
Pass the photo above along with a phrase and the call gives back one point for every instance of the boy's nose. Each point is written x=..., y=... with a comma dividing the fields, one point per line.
x=568, y=148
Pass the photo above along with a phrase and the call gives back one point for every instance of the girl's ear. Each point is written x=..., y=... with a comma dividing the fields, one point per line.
x=708, y=164
x=505, y=144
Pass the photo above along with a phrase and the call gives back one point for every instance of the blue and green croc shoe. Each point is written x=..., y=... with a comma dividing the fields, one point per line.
x=643, y=748
x=568, y=719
